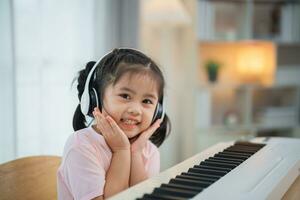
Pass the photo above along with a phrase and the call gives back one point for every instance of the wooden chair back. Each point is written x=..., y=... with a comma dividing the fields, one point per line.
x=29, y=178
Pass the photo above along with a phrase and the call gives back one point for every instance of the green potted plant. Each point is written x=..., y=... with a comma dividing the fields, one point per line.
x=212, y=69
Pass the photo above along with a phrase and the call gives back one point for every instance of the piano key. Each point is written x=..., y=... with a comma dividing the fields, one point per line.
x=251, y=150
x=218, y=155
x=240, y=151
x=201, y=175
x=212, y=167
x=180, y=186
x=197, y=178
x=207, y=171
x=159, y=197
x=174, y=192
x=235, y=154
x=225, y=160
x=218, y=164
x=246, y=143
x=200, y=184
x=245, y=148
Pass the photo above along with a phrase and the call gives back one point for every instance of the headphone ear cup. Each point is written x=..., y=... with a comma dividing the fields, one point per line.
x=94, y=101
x=157, y=113
x=85, y=103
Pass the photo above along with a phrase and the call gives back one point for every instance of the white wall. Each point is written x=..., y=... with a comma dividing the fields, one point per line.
x=7, y=84
x=44, y=43
x=53, y=39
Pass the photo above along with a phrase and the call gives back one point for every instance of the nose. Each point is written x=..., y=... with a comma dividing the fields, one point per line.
x=134, y=109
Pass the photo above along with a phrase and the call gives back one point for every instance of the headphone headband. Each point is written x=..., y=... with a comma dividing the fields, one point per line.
x=85, y=98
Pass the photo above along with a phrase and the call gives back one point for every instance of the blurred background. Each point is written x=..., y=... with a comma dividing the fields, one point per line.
x=232, y=67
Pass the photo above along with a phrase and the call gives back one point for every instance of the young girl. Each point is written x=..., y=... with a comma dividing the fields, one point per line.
x=123, y=92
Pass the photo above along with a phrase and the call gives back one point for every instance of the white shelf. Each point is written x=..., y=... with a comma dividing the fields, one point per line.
x=242, y=20
x=253, y=115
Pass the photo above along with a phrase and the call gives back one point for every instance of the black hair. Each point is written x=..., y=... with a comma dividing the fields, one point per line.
x=109, y=70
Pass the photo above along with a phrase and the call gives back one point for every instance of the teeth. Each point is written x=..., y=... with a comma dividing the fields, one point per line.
x=130, y=122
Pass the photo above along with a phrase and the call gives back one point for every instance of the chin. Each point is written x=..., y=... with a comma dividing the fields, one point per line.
x=134, y=138
x=130, y=136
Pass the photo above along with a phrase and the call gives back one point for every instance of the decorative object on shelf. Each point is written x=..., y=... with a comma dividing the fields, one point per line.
x=212, y=68
x=231, y=118
x=243, y=62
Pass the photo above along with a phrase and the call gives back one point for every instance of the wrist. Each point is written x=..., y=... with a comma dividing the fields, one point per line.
x=122, y=151
x=136, y=153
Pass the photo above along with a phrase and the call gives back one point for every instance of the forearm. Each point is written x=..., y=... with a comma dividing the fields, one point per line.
x=137, y=169
x=117, y=177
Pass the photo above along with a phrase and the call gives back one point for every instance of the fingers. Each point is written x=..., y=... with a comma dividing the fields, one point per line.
x=113, y=124
x=147, y=134
x=102, y=124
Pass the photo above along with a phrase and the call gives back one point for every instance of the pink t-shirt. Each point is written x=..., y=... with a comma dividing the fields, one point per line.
x=85, y=161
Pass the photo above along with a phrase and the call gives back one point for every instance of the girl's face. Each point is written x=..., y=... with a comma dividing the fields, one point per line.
x=131, y=102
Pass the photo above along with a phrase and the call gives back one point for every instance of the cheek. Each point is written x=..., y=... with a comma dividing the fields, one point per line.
x=149, y=115
x=111, y=111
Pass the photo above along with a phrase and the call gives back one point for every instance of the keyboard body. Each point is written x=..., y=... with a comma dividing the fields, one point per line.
x=267, y=174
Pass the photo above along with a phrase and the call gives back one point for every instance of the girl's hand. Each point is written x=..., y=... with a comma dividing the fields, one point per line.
x=138, y=145
x=113, y=135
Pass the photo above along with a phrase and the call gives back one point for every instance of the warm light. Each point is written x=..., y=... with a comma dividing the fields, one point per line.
x=255, y=62
x=242, y=62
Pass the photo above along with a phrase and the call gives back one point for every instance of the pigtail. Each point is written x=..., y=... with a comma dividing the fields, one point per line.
x=78, y=119
x=162, y=132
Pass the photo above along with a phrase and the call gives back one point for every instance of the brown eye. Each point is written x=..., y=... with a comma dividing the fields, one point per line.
x=147, y=101
x=125, y=96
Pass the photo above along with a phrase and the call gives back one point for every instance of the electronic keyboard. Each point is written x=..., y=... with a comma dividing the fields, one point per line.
x=263, y=168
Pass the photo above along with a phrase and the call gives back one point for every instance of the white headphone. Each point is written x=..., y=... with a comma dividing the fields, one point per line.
x=85, y=98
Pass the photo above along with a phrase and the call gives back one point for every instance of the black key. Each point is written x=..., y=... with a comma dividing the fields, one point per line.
x=211, y=180
x=182, y=181
x=160, y=197
x=246, y=143
x=207, y=171
x=229, y=160
x=235, y=154
x=184, y=187
x=218, y=164
x=218, y=155
x=223, y=161
x=174, y=192
x=214, y=177
x=201, y=166
x=211, y=167
x=246, y=148
x=240, y=151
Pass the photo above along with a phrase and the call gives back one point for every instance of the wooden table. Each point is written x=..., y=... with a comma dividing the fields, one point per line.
x=294, y=191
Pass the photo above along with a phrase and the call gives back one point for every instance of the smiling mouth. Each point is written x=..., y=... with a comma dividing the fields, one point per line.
x=128, y=127
x=129, y=122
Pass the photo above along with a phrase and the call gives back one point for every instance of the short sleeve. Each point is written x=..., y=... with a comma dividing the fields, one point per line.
x=153, y=162
x=84, y=173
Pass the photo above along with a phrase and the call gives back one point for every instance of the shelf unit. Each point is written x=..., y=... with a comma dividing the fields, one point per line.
x=229, y=112
x=249, y=108
x=228, y=20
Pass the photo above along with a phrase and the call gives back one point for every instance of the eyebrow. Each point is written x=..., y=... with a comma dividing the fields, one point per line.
x=133, y=92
